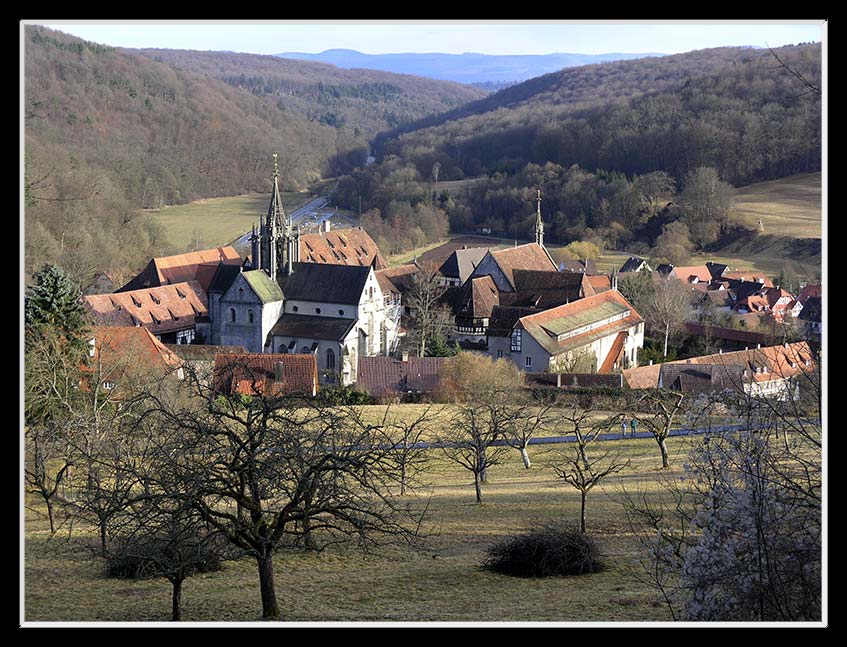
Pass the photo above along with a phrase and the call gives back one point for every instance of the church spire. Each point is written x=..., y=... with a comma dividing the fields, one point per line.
x=539, y=225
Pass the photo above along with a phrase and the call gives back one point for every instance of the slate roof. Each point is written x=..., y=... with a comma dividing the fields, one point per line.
x=341, y=247
x=633, y=264
x=700, y=378
x=164, y=309
x=546, y=326
x=267, y=290
x=504, y=318
x=462, y=262
x=382, y=376
x=312, y=327
x=543, y=289
x=255, y=373
x=716, y=269
x=582, y=266
x=327, y=283
x=223, y=278
x=530, y=256
x=773, y=362
x=813, y=310
x=192, y=266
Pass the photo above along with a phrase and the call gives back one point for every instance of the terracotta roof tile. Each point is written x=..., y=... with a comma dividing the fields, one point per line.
x=341, y=247
x=164, y=309
x=192, y=266
x=257, y=373
x=689, y=273
x=120, y=351
x=773, y=362
x=530, y=256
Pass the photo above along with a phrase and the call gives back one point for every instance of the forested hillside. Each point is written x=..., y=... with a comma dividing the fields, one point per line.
x=609, y=146
x=358, y=103
x=732, y=109
x=109, y=131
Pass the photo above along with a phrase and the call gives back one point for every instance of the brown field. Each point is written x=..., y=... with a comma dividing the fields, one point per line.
x=787, y=207
x=440, y=580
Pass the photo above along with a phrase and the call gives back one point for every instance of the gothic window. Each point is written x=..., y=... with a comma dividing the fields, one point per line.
x=330, y=359
x=250, y=316
x=232, y=314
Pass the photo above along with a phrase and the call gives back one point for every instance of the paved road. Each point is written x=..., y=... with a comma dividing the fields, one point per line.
x=308, y=213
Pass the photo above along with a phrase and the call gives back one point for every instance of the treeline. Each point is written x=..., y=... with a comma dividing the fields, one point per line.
x=733, y=109
x=649, y=214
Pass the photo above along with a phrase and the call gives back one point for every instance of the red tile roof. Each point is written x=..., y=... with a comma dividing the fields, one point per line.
x=599, y=282
x=192, y=266
x=530, y=256
x=690, y=272
x=341, y=247
x=380, y=376
x=811, y=290
x=773, y=362
x=396, y=279
x=537, y=324
x=121, y=351
x=164, y=309
x=256, y=373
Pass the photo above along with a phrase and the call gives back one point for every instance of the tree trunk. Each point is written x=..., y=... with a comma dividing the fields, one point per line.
x=270, y=610
x=584, y=495
x=525, y=456
x=664, y=450
x=403, y=478
x=477, y=486
x=103, y=538
x=50, y=514
x=667, y=331
x=176, y=600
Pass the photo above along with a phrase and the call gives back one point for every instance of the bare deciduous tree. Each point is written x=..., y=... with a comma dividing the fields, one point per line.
x=664, y=406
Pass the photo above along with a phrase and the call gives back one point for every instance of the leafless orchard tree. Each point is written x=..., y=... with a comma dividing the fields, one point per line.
x=663, y=408
x=581, y=469
x=409, y=442
x=429, y=317
x=256, y=467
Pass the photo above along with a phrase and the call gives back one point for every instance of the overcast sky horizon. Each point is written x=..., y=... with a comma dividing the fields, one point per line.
x=449, y=37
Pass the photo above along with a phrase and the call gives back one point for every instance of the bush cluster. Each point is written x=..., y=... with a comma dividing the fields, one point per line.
x=549, y=550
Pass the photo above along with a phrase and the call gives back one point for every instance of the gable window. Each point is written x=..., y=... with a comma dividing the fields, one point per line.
x=528, y=361
x=250, y=316
x=516, y=340
x=232, y=315
x=330, y=359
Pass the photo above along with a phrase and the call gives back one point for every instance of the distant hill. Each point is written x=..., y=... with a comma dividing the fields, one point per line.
x=469, y=68
x=730, y=108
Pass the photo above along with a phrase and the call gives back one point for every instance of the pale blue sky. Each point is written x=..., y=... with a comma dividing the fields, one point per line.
x=487, y=37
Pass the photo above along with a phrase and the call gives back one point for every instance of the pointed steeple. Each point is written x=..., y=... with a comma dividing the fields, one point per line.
x=539, y=225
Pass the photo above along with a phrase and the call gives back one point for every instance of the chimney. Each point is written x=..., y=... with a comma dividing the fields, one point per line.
x=326, y=225
x=278, y=371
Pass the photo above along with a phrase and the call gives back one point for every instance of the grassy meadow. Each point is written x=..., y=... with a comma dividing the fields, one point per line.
x=217, y=221
x=440, y=580
x=787, y=207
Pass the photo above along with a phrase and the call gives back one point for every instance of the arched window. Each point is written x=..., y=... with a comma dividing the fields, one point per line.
x=250, y=316
x=305, y=350
x=330, y=359
x=283, y=349
x=232, y=314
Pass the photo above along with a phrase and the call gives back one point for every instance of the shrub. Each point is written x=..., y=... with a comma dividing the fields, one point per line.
x=550, y=550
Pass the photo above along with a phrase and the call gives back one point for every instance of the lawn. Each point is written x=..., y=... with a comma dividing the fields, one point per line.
x=217, y=221
x=440, y=580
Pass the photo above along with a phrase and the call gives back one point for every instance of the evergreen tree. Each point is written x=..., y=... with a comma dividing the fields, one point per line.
x=55, y=302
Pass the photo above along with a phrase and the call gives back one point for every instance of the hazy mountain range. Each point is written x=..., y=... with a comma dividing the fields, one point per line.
x=470, y=68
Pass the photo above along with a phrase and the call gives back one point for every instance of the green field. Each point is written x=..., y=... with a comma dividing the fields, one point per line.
x=440, y=580
x=217, y=221
x=787, y=207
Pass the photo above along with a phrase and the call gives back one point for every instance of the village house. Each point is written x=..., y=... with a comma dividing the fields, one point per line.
x=124, y=358
x=634, y=264
x=199, y=359
x=457, y=269
x=270, y=375
x=766, y=371
x=597, y=334
x=169, y=311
